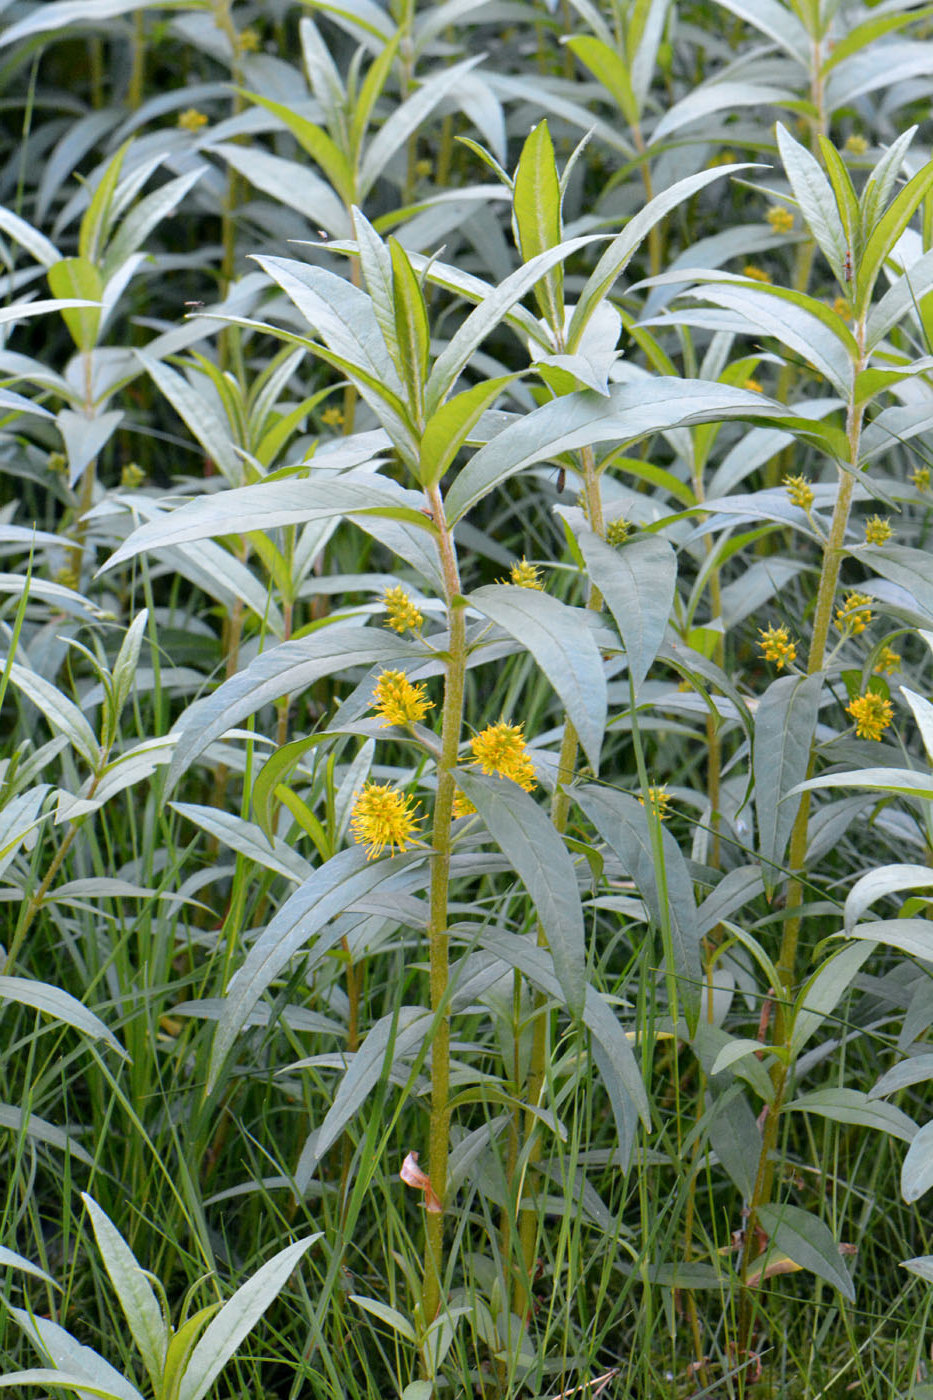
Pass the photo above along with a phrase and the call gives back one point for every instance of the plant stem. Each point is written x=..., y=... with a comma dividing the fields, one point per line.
x=438, y=937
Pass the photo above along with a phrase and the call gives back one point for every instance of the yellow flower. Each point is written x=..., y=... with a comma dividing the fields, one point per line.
x=58, y=463
x=463, y=807
x=877, y=530
x=855, y=146
x=842, y=308
x=397, y=701
x=777, y=646
x=248, y=40
x=726, y=157
x=526, y=575
x=68, y=578
x=757, y=274
x=403, y=615
x=332, y=418
x=780, y=219
x=888, y=662
x=659, y=802
x=799, y=491
x=191, y=119
x=872, y=715
x=920, y=478
x=132, y=476
x=854, y=615
x=423, y=168
x=500, y=748
x=753, y=386
x=383, y=817
x=618, y=531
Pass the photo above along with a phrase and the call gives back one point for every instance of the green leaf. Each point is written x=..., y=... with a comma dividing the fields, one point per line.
x=881, y=181
x=49, y=1133
x=623, y=824
x=198, y=412
x=784, y=728
x=290, y=183
x=911, y=936
x=64, y=717
x=78, y=279
x=629, y=412
x=847, y=203
x=141, y=1308
x=886, y=232
x=52, y=1001
x=886, y=880
x=527, y=837
x=637, y=583
x=293, y=666
x=853, y=1106
x=616, y=257
x=9, y=1259
x=561, y=643
x=391, y=1317
x=449, y=427
x=536, y=208
x=484, y=318
x=609, y=69
x=315, y=141
x=95, y=225
x=917, y=1168
x=806, y=1240
x=822, y=992
x=341, y=881
x=817, y=201
x=236, y=1318
x=411, y=325
x=912, y=569
x=904, y=781
x=242, y=836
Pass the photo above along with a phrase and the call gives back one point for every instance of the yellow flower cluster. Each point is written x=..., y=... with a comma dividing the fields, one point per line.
x=659, y=802
x=872, y=714
x=877, y=530
x=500, y=748
x=397, y=701
x=854, y=615
x=248, y=40
x=757, y=274
x=842, y=308
x=618, y=531
x=403, y=615
x=777, y=646
x=191, y=119
x=921, y=478
x=753, y=386
x=332, y=418
x=780, y=219
x=383, y=817
x=799, y=491
x=888, y=661
x=855, y=146
x=525, y=575
x=132, y=476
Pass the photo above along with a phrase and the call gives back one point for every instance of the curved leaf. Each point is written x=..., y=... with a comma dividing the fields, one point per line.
x=637, y=583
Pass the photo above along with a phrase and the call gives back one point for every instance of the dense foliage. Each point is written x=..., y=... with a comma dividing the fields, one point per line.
x=466, y=821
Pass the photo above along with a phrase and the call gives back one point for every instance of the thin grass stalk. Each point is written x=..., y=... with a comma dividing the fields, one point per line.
x=438, y=937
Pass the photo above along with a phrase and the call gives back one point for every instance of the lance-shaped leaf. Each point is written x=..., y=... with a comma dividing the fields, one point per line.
x=622, y=823
x=616, y=257
x=629, y=412
x=141, y=1308
x=536, y=208
x=534, y=847
x=413, y=334
x=806, y=1240
x=855, y=1106
x=268, y=505
x=888, y=879
x=917, y=1168
x=784, y=728
x=817, y=200
x=77, y=278
x=286, y=668
x=887, y=230
x=236, y=1318
x=560, y=641
x=449, y=427
x=912, y=569
x=334, y=886
x=822, y=993
x=637, y=583
x=52, y=1001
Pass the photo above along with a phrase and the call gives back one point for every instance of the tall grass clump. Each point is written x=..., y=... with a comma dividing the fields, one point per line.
x=466, y=816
